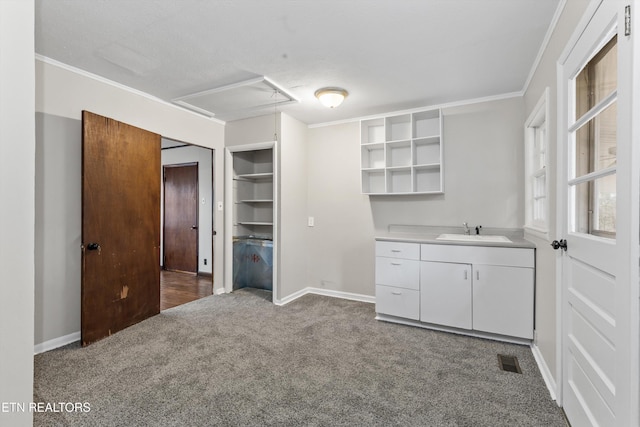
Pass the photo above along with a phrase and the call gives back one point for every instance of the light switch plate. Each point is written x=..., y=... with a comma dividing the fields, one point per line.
x=219, y=206
x=311, y=221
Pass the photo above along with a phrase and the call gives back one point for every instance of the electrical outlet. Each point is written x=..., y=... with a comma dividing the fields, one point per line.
x=311, y=221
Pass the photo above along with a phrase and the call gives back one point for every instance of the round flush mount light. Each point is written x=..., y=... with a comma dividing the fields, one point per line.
x=331, y=97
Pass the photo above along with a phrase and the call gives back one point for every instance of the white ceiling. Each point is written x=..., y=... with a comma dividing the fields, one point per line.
x=389, y=54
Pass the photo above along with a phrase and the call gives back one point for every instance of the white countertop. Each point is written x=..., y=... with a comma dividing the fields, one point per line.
x=429, y=235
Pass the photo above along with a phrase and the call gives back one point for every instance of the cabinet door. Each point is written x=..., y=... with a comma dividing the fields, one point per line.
x=503, y=300
x=445, y=294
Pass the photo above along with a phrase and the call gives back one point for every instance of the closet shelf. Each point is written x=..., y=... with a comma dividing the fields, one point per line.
x=253, y=176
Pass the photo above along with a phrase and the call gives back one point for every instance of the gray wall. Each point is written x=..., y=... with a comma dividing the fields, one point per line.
x=61, y=95
x=193, y=154
x=292, y=182
x=17, y=171
x=58, y=226
x=483, y=161
x=341, y=245
x=293, y=232
x=546, y=287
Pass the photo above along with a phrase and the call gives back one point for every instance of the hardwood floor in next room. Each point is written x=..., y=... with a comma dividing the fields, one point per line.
x=180, y=288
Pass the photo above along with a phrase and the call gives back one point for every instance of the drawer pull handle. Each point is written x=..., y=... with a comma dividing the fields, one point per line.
x=478, y=275
x=466, y=275
x=396, y=263
x=396, y=250
x=396, y=293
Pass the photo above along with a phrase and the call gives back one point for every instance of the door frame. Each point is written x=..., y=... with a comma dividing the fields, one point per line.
x=628, y=212
x=164, y=212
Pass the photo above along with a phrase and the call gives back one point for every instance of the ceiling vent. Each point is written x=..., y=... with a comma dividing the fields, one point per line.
x=238, y=100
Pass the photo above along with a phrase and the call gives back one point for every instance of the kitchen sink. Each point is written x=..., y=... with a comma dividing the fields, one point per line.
x=473, y=238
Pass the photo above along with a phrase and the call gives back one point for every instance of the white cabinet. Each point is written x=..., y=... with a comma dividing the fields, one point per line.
x=445, y=294
x=496, y=295
x=485, y=290
x=398, y=279
x=503, y=300
x=402, y=154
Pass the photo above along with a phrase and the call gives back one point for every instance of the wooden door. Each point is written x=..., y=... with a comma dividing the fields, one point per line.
x=181, y=218
x=120, y=226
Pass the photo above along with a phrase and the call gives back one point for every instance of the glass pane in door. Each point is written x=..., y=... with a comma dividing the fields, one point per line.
x=595, y=207
x=597, y=79
x=596, y=142
x=595, y=149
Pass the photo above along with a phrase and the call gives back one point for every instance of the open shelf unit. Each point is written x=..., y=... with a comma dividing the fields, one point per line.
x=402, y=154
x=253, y=193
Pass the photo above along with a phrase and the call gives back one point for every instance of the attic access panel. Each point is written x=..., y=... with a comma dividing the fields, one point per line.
x=237, y=100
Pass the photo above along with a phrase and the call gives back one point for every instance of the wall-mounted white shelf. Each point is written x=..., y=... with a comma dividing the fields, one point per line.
x=402, y=154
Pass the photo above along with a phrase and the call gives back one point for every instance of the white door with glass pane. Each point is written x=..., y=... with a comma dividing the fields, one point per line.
x=594, y=156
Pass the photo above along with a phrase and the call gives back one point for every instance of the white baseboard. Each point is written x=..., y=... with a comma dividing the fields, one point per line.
x=328, y=293
x=56, y=343
x=544, y=371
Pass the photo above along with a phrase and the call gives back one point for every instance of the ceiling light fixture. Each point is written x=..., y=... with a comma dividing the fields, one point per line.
x=331, y=96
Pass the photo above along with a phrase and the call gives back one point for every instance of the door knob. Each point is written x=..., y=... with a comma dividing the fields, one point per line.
x=557, y=244
x=194, y=227
x=93, y=246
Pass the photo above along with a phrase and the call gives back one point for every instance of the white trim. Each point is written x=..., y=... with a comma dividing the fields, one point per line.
x=545, y=43
x=56, y=343
x=592, y=176
x=104, y=80
x=577, y=33
x=544, y=371
x=182, y=100
x=594, y=111
x=540, y=115
x=419, y=109
x=540, y=233
x=561, y=226
x=327, y=293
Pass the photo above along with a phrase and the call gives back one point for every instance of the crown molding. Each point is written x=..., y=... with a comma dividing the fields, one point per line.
x=112, y=83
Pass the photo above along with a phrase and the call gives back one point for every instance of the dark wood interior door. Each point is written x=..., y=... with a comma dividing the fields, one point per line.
x=181, y=217
x=120, y=226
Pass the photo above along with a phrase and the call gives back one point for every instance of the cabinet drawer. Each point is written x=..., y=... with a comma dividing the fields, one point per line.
x=514, y=257
x=398, y=250
x=402, y=273
x=398, y=302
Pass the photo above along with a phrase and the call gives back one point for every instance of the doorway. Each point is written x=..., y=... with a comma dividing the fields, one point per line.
x=183, y=165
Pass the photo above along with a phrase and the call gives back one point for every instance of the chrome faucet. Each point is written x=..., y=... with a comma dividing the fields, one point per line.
x=466, y=228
